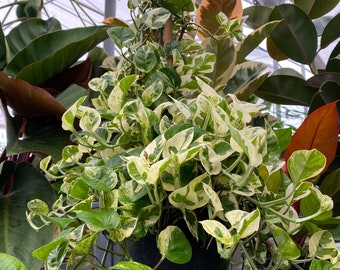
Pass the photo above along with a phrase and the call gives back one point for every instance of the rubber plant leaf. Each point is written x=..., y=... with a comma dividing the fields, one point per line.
x=53, y=52
x=318, y=131
x=3, y=51
x=330, y=32
x=20, y=183
x=295, y=36
x=20, y=36
x=29, y=100
x=316, y=8
x=257, y=16
x=206, y=14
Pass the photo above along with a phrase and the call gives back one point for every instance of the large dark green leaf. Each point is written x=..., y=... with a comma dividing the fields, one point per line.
x=330, y=91
x=296, y=35
x=52, y=53
x=331, y=32
x=224, y=50
x=318, y=80
x=2, y=48
x=333, y=64
x=283, y=88
x=21, y=183
x=21, y=35
x=257, y=16
x=316, y=8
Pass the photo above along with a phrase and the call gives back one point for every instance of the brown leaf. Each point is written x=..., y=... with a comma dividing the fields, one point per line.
x=207, y=11
x=112, y=21
x=29, y=100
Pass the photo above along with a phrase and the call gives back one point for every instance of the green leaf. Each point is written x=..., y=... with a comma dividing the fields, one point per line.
x=305, y=164
x=175, y=6
x=210, y=160
x=101, y=178
x=9, y=262
x=156, y=18
x=130, y=266
x=23, y=34
x=217, y=230
x=180, y=141
x=145, y=59
x=295, y=35
x=285, y=244
x=174, y=246
x=285, y=89
x=121, y=36
x=257, y=15
x=21, y=183
x=330, y=32
x=322, y=245
x=331, y=184
x=321, y=265
x=316, y=8
x=53, y=52
x=3, y=53
x=106, y=219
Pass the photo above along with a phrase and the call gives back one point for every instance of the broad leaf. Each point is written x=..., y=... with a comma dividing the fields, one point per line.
x=103, y=219
x=52, y=53
x=145, y=59
x=206, y=14
x=20, y=36
x=121, y=35
x=285, y=89
x=21, y=183
x=257, y=15
x=295, y=35
x=330, y=32
x=331, y=184
x=3, y=52
x=316, y=8
x=156, y=18
x=174, y=246
x=175, y=6
x=318, y=131
x=330, y=91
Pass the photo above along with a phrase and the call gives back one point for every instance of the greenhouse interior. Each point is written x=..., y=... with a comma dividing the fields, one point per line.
x=167, y=134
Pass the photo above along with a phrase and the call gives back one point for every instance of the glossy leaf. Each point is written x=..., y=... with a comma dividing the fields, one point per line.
x=318, y=131
x=330, y=91
x=318, y=80
x=177, y=6
x=100, y=218
x=316, y=8
x=145, y=59
x=156, y=18
x=36, y=65
x=285, y=244
x=331, y=184
x=29, y=100
x=23, y=183
x=333, y=64
x=257, y=15
x=174, y=246
x=206, y=14
x=305, y=164
x=285, y=89
x=20, y=36
x=121, y=35
x=295, y=35
x=9, y=262
x=330, y=32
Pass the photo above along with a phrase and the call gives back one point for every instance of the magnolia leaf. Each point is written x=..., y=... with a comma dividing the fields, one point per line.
x=29, y=100
x=316, y=8
x=330, y=34
x=300, y=37
x=320, y=131
x=206, y=15
x=224, y=50
x=174, y=246
x=288, y=249
x=9, y=262
x=130, y=266
x=305, y=164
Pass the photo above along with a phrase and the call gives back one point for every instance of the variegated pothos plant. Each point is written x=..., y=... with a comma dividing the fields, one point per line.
x=163, y=137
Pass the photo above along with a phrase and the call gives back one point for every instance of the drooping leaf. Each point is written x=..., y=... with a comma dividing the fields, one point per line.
x=318, y=131
x=257, y=15
x=316, y=8
x=29, y=100
x=53, y=52
x=17, y=237
x=295, y=35
x=20, y=36
x=224, y=50
x=285, y=88
x=174, y=246
x=330, y=32
x=206, y=14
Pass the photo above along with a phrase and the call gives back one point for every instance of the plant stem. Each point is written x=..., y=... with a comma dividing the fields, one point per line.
x=254, y=267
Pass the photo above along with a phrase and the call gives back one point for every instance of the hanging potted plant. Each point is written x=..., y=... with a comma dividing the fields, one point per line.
x=168, y=153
